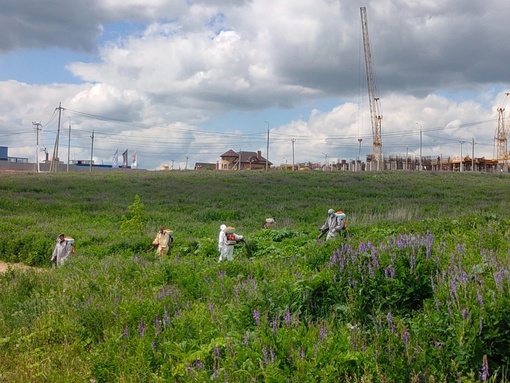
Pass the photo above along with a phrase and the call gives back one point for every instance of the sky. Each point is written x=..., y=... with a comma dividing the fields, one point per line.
x=180, y=81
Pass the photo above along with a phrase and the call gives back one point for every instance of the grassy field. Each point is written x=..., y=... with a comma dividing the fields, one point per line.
x=418, y=291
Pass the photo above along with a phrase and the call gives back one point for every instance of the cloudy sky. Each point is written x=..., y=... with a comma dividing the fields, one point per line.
x=183, y=81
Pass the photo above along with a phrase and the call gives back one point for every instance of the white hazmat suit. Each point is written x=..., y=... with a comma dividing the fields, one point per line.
x=63, y=249
x=334, y=223
x=226, y=251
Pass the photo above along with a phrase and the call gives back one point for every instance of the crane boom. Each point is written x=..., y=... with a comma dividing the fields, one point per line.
x=501, y=136
x=372, y=98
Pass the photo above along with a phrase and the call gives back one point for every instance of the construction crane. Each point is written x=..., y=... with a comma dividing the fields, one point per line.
x=373, y=100
x=502, y=136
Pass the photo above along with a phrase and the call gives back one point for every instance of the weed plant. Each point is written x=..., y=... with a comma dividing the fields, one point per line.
x=417, y=291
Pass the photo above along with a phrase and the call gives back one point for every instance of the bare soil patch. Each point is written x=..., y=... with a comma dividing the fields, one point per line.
x=4, y=266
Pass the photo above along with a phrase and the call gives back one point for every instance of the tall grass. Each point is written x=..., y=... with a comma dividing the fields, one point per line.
x=417, y=291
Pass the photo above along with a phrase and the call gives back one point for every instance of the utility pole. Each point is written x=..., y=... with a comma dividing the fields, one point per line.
x=172, y=168
x=421, y=143
x=239, y=167
x=55, y=160
x=472, y=154
x=267, y=149
x=461, y=159
x=359, y=153
x=92, y=151
x=325, y=161
x=293, y=140
x=69, y=145
x=37, y=128
x=186, y=167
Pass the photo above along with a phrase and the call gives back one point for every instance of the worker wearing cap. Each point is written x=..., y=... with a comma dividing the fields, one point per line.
x=61, y=251
x=162, y=241
x=333, y=225
x=226, y=250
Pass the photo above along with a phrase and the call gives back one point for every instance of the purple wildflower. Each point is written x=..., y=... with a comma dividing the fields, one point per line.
x=479, y=297
x=465, y=313
x=323, y=332
x=271, y=353
x=166, y=318
x=389, y=272
x=198, y=364
x=126, y=332
x=485, y=369
x=389, y=318
x=405, y=337
x=256, y=316
x=141, y=328
x=274, y=325
x=157, y=324
x=264, y=353
x=287, y=318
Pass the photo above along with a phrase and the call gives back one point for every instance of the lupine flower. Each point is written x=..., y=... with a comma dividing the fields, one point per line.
x=479, y=297
x=389, y=318
x=264, y=353
x=256, y=316
x=157, y=324
x=485, y=369
x=274, y=325
x=412, y=261
x=166, y=318
x=198, y=364
x=498, y=278
x=141, y=328
x=323, y=332
x=287, y=318
x=271, y=353
x=389, y=272
x=405, y=337
x=465, y=313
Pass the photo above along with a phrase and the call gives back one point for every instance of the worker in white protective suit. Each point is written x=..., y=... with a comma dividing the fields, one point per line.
x=226, y=246
x=333, y=225
x=62, y=250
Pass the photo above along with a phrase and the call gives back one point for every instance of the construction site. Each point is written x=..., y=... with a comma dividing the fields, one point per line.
x=376, y=160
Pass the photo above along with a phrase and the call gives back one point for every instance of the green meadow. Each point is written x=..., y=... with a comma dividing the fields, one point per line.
x=417, y=291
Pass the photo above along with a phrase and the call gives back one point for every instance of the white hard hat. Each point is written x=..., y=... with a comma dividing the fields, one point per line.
x=223, y=227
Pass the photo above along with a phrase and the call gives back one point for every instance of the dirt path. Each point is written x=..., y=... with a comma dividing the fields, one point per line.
x=4, y=266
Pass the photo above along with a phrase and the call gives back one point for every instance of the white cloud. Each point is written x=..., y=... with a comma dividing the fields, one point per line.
x=189, y=64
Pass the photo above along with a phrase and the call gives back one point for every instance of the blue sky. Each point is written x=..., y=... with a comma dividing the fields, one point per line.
x=176, y=79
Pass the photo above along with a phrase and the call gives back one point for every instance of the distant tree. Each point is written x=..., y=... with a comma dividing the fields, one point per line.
x=133, y=222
